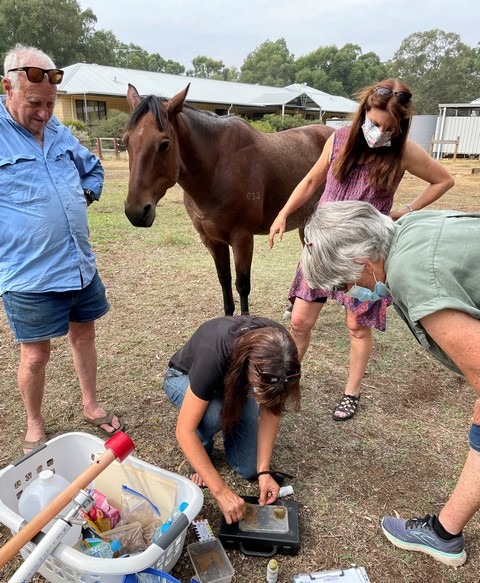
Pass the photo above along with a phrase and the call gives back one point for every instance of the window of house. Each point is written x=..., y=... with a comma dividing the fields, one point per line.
x=91, y=112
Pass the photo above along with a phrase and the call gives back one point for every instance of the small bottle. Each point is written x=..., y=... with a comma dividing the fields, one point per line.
x=272, y=571
x=174, y=514
x=104, y=550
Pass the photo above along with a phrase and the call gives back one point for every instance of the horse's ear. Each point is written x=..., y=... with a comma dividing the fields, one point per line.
x=175, y=104
x=133, y=98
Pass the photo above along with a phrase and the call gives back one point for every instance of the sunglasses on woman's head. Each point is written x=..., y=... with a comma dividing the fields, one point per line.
x=272, y=379
x=36, y=74
x=402, y=97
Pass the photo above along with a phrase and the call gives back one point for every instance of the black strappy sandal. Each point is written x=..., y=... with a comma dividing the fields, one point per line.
x=347, y=405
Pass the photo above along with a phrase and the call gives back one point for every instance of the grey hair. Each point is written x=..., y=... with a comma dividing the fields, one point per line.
x=337, y=235
x=24, y=56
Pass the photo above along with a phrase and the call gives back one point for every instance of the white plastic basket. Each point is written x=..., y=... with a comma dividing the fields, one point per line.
x=70, y=454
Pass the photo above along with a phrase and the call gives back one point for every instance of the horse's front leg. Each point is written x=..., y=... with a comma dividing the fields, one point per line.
x=221, y=256
x=220, y=252
x=242, y=245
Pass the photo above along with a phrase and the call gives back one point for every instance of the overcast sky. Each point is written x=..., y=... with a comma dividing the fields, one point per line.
x=229, y=30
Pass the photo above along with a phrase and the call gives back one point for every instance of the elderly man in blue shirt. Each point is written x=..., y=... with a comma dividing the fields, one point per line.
x=48, y=279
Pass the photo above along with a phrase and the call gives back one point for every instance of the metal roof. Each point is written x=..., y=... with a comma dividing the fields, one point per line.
x=463, y=105
x=83, y=78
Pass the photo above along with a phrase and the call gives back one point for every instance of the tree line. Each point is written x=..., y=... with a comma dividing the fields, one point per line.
x=436, y=65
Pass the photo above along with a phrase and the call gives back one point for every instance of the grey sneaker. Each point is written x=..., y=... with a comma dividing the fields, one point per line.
x=417, y=534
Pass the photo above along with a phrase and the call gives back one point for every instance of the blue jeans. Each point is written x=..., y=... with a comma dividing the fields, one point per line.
x=240, y=445
x=34, y=317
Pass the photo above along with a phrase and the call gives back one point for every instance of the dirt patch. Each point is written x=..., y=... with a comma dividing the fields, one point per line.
x=402, y=453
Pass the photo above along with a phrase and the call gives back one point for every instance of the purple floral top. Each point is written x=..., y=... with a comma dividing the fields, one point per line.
x=355, y=187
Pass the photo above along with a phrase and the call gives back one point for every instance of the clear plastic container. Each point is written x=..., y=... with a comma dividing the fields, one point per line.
x=268, y=518
x=210, y=561
x=38, y=495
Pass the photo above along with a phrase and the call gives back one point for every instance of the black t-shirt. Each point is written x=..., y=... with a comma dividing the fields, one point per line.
x=205, y=356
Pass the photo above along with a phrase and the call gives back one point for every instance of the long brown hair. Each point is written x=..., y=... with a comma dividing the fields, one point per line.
x=272, y=350
x=386, y=165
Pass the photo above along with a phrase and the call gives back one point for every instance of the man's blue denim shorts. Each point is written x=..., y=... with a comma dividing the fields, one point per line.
x=36, y=317
x=474, y=437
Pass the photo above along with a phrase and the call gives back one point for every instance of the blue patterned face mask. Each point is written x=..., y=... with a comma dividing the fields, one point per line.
x=363, y=294
x=374, y=136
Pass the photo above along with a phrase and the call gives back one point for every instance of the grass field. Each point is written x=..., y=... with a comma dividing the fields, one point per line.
x=402, y=453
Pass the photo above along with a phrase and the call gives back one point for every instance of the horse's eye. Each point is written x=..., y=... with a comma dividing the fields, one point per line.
x=163, y=146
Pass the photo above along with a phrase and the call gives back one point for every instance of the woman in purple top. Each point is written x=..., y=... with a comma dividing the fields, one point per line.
x=365, y=161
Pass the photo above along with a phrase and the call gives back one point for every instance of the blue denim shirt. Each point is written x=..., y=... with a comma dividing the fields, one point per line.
x=43, y=212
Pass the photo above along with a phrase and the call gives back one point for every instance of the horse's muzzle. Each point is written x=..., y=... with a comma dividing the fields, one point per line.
x=140, y=216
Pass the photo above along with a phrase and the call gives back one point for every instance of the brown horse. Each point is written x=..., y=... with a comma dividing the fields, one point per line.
x=235, y=178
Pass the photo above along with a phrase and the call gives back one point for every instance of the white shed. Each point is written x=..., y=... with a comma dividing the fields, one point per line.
x=460, y=120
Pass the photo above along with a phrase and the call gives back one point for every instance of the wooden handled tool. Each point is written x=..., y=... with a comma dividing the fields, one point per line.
x=119, y=446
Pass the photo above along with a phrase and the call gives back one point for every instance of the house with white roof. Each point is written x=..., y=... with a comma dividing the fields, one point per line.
x=88, y=92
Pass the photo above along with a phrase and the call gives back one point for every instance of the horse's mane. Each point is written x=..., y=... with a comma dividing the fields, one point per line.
x=155, y=105
x=151, y=103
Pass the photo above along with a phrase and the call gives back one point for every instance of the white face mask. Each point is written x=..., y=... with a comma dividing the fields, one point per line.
x=374, y=137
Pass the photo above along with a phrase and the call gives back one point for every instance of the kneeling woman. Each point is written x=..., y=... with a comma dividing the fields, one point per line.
x=234, y=375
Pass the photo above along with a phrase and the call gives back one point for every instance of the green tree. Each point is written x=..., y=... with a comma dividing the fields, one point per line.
x=68, y=35
x=339, y=71
x=438, y=67
x=100, y=48
x=230, y=74
x=58, y=27
x=131, y=56
x=206, y=68
x=157, y=63
x=269, y=64
x=113, y=125
x=173, y=68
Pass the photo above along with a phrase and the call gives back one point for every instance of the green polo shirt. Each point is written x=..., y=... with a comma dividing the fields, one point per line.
x=433, y=265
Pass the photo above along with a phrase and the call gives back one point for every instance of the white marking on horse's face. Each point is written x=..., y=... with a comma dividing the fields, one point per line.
x=140, y=130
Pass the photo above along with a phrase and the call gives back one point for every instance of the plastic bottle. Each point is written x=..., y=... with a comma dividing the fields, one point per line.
x=104, y=550
x=38, y=495
x=174, y=514
x=272, y=571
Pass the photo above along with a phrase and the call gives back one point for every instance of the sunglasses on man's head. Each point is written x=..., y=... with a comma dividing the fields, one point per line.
x=403, y=97
x=272, y=379
x=36, y=74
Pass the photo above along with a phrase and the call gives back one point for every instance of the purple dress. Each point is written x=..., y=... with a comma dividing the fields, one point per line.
x=355, y=187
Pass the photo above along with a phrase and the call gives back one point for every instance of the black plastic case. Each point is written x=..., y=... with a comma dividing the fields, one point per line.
x=264, y=544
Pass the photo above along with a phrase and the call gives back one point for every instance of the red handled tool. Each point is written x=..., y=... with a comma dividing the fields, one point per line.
x=119, y=446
